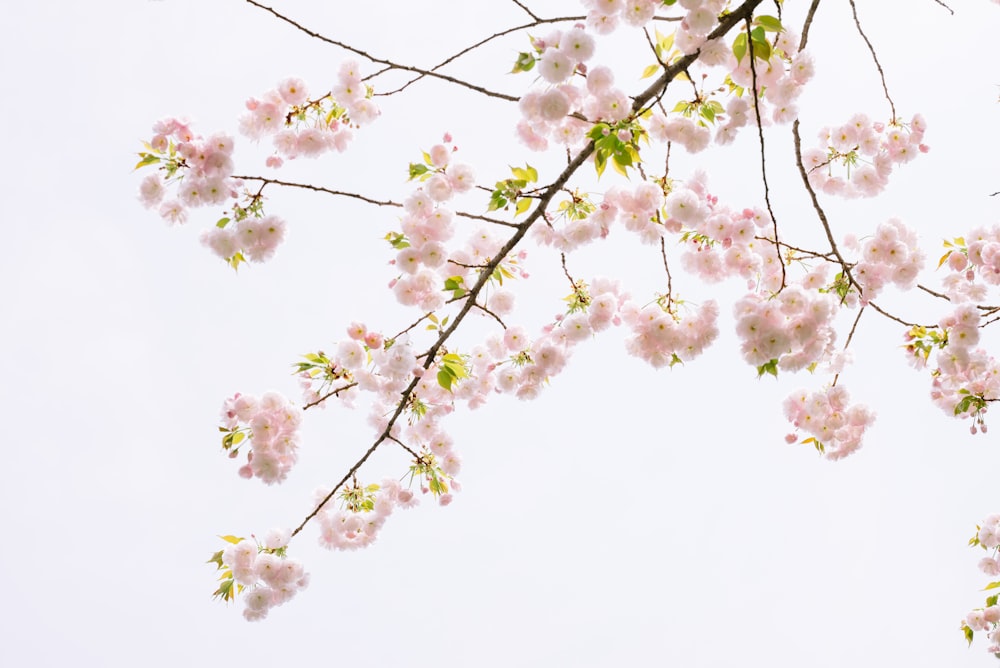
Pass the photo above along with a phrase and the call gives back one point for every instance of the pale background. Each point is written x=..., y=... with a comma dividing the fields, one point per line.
x=627, y=517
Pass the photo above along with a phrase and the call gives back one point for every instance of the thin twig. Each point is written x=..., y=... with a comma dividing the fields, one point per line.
x=306, y=186
x=525, y=8
x=763, y=161
x=405, y=447
x=808, y=23
x=946, y=7
x=666, y=267
x=458, y=54
x=383, y=61
x=326, y=396
x=896, y=318
x=850, y=335
x=878, y=65
x=486, y=310
x=819, y=210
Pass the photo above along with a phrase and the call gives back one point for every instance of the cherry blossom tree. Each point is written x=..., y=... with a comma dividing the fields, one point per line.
x=462, y=239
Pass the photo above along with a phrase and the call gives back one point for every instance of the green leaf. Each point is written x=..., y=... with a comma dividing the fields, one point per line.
x=416, y=170
x=992, y=600
x=523, y=205
x=770, y=368
x=231, y=539
x=650, y=71
x=445, y=379
x=967, y=630
x=147, y=159
x=524, y=63
x=740, y=46
x=992, y=585
x=768, y=23
x=222, y=222
x=664, y=43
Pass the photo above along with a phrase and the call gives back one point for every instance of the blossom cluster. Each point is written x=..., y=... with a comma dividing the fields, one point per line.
x=791, y=331
x=891, y=255
x=971, y=259
x=662, y=337
x=834, y=426
x=357, y=525
x=268, y=428
x=308, y=128
x=966, y=377
x=604, y=16
x=197, y=168
x=867, y=150
x=262, y=572
x=987, y=618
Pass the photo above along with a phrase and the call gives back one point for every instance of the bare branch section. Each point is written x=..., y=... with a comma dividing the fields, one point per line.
x=950, y=10
x=878, y=65
x=808, y=24
x=526, y=10
x=544, y=198
x=341, y=193
x=382, y=61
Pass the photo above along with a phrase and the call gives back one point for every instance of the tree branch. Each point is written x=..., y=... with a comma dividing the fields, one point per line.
x=878, y=65
x=382, y=61
x=728, y=22
x=306, y=186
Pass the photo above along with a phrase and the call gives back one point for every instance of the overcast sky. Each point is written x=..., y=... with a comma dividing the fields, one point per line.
x=626, y=517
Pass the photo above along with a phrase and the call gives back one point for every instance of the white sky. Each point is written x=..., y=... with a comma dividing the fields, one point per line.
x=627, y=517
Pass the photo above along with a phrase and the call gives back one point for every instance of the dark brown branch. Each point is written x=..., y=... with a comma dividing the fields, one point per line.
x=666, y=267
x=878, y=65
x=897, y=319
x=406, y=447
x=326, y=396
x=819, y=210
x=382, y=61
x=525, y=8
x=656, y=88
x=808, y=24
x=763, y=161
x=952, y=11
x=487, y=311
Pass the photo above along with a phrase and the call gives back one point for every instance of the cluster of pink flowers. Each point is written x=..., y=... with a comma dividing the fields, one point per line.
x=253, y=239
x=662, y=337
x=793, y=329
x=553, y=109
x=987, y=619
x=781, y=80
x=701, y=16
x=268, y=578
x=722, y=242
x=977, y=255
x=269, y=427
x=308, y=128
x=834, y=426
x=868, y=151
x=199, y=169
x=892, y=255
x=354, y=529
x=966, y=378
